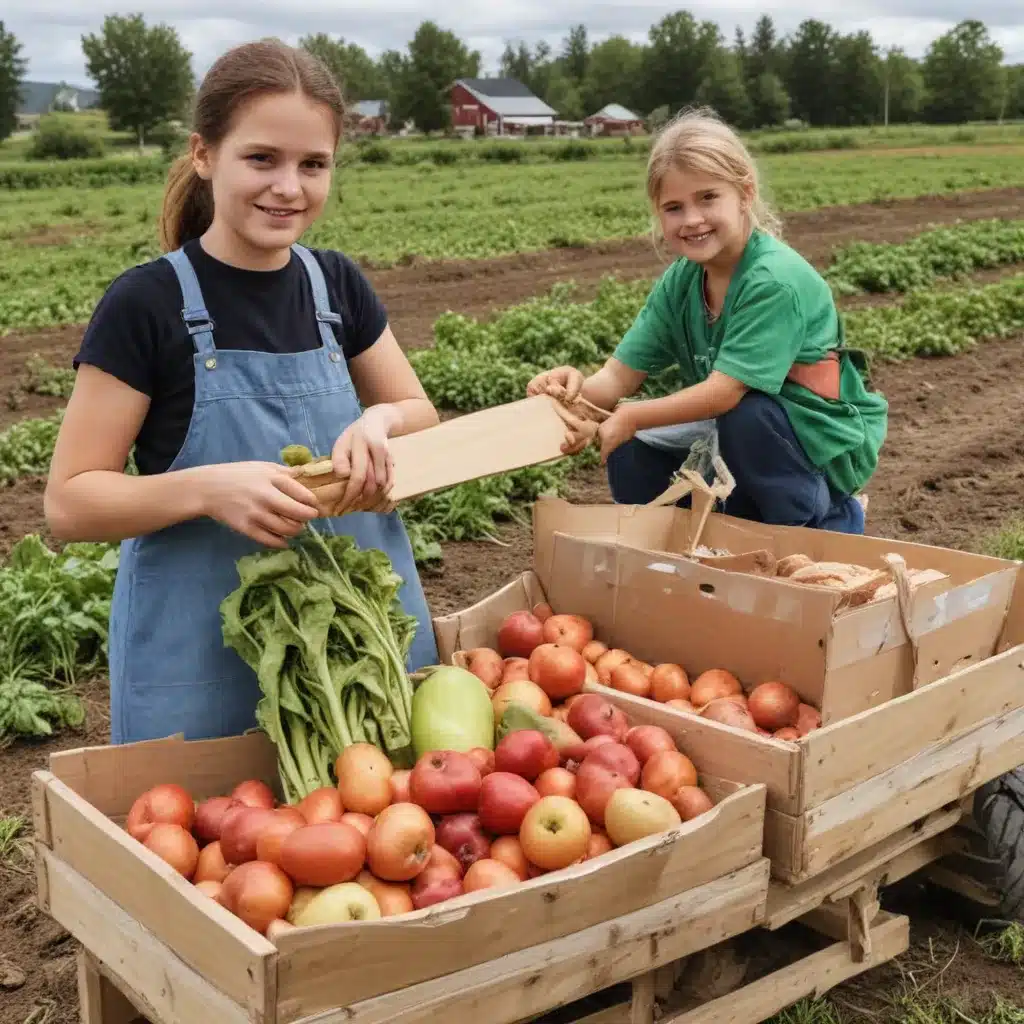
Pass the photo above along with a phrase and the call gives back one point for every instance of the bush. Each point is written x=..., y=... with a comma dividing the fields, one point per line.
x=58, y=138
x=575, y=151
x=503, y=153
x=375, y=153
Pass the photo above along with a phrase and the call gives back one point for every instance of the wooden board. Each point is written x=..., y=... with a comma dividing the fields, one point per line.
x=480, y=444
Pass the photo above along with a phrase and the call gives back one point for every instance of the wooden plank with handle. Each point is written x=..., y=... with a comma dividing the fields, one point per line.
x=480, y=444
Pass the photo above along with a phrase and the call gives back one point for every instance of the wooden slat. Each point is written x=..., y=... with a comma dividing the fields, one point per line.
x=882, y=805
x=811, y=976
x=542, y=977
x=164, y=986
x=719, y=750
x=841, y=755
x=788, y=902
x=227, y=953
x=99, y=1001
x=341, y=964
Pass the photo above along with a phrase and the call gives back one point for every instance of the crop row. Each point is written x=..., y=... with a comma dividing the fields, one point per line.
x=60, y=248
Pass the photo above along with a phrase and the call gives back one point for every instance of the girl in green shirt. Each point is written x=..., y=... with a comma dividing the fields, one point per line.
x=758, y=342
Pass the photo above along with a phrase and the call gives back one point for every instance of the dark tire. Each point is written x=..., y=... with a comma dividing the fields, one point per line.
x=999, y=812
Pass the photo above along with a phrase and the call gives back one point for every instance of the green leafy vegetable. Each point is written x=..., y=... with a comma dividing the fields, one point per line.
x=321, y=625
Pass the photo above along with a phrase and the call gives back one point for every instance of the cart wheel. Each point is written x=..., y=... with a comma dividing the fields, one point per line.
x=999, y=812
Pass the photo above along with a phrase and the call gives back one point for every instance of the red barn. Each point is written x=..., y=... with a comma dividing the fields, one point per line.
x=614, y=119
x=498, y=106
x=369, y=117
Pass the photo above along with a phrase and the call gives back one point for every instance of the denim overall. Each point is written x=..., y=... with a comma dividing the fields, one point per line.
x=170, y=670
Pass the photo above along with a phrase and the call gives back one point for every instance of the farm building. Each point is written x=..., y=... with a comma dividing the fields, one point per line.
x=369, y=117
x=38, y=98
x=614, y=119
x=498, y=106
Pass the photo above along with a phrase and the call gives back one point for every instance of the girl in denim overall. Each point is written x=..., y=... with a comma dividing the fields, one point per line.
x=208, y=362
x=754, y=332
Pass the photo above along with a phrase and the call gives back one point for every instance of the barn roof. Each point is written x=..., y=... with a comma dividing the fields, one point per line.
x=617, y=112
x=507, y=97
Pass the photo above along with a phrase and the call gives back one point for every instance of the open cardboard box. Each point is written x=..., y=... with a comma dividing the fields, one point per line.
x=841, y=660
x=888, y=754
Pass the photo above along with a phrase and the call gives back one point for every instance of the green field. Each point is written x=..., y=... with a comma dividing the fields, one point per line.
x=60, y=248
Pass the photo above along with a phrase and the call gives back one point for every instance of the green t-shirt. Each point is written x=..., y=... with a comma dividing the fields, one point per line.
x=778, y=311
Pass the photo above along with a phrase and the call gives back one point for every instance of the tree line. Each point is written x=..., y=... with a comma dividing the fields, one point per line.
x=816, y=74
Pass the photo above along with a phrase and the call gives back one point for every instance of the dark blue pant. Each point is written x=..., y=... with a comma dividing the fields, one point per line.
x=775, y=481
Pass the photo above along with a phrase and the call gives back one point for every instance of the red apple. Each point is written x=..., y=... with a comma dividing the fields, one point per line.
x=400, y=842
x=558, y=671
x=592, y=715
x=483, y=759
x=618, y=757
x=445, y=782
x=647, y=740
x=595, y=784
x=543, y=611
x=568, y=631
x=504, y=800
x=210, y=816
x=462, y=835
x=519, y=634
x=428, y=890
x=525, y=752
x=486, y=664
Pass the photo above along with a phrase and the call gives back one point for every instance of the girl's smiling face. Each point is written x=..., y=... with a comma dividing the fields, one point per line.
x=703, y=218
x=270, y=177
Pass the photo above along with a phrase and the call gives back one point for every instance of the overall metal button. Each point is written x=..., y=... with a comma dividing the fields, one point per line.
x=211, y=363
x=335, y=357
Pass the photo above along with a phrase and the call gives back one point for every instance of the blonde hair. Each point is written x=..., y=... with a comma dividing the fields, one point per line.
x=697, y=139
x=243, y=73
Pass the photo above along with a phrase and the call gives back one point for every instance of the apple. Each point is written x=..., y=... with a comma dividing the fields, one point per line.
x=595, y=784
x=519, y=634
x=647, y=740
x=504, y=800
x=400, y=842
x=633, y=814
x=254, y=793
x=525, y=752
x=209, y=816
x=558, y=671
x=554, y=833
x=430, y=890
x=556, y=782
x=690, y=801
x=322, y=804
x=211, y=866
x=489, y=874
x=592, y=716
x=568, y=631
x=669, y=682
x=592, y=651
x=441, y=862
x=808, y=719
x=515, y=669
x=630, y=677
x=168, y=804
x=599, y=844
x=445, y=782
x=240, y=831
x=522, y=691
x=400, y=786
x=509, y=851
x=486, y=664
x=462, y=836
x=543, y=611
x=364, y=773
x=483, y=759
x=666, y=771
x=393, y=898
x=339, y=904
x=608, y=661
x=618, y=757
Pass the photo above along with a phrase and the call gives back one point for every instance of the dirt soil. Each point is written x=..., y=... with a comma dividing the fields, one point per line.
x=952, y=470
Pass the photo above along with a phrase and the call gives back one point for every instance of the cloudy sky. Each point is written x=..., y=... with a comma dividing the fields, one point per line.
x=51, y=30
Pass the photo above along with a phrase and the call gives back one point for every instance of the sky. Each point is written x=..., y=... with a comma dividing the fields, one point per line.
x=51, y=30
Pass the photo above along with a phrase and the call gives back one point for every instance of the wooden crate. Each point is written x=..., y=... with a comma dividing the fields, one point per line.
x=842, y=788
x=179, y=957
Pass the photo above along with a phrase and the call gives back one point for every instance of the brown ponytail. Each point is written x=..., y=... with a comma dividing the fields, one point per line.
x=241, y=74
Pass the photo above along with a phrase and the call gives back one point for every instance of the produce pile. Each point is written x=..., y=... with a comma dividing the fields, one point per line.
x=515, y=794
x=559, y=650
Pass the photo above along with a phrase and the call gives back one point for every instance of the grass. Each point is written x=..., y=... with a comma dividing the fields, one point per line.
x=14, y=847
x=1007, y=542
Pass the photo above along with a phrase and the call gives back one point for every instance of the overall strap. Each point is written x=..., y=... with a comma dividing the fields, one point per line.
x=325, y=316
x=193, y=312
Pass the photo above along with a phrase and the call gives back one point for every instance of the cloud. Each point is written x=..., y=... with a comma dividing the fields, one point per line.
x=51, y=30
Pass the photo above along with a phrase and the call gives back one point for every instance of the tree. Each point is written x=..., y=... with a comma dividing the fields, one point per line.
x=562, y=93
x=436, y=58
x=12, y=72
x=857, y=80
x=763, y=54
x=575, y=52
x=963, y=75
x=355, y=71
x=769, y=101
x=810, y=72
x=613, y=71
x=902, y=86
x=675, y=63
x=144, y=75
x=1014, y=107
x=724, y=90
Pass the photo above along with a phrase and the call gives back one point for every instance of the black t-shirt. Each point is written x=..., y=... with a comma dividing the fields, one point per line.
x=137, y=334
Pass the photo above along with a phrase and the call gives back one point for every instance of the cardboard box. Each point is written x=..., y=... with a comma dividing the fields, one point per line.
x=892, y=754
x=179, y=956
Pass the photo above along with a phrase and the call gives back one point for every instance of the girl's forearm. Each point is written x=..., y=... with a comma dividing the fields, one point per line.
x=707, y=400
x=100, y=505
x=406, y=416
